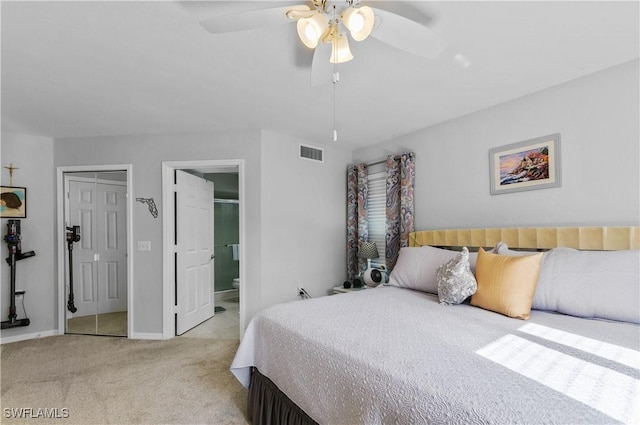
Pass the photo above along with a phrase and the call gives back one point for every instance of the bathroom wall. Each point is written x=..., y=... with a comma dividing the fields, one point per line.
x=226, y=232
x=226, y=228
x=225, y=185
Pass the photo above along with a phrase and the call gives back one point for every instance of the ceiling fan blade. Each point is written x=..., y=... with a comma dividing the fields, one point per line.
x=321, y=68
x=407, y=35
x=250, y=20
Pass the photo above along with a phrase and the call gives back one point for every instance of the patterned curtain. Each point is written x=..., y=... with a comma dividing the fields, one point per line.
x=357, y=229
x=400, y=178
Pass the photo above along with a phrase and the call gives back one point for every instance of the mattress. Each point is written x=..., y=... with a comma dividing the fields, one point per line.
x=396, y=356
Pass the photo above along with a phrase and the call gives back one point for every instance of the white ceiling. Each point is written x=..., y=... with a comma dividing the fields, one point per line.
x=79, y=69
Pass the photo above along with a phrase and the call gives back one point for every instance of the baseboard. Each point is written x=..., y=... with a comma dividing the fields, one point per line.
x=24, y=337
x=145, y=335
x=228, y=294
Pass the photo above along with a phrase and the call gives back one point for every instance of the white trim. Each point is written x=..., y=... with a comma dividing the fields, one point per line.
x=168, y=226
x=89, y=180
x=61, y=237
x=24, y=337
x=168, y=229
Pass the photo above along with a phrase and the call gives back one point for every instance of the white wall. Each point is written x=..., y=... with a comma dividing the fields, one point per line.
x=303, y=218
x=295, y=230
x=295, y=211
x=598, y=118
x=146, y=154
x=33, y=156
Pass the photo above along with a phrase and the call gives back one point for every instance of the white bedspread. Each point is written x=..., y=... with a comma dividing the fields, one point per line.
x=396, y=356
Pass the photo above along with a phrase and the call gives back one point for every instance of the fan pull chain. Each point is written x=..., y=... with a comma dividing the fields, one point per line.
x=336, y=80
x=336, y=75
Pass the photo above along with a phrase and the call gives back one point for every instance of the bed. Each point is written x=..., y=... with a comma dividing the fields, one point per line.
x=396, y=354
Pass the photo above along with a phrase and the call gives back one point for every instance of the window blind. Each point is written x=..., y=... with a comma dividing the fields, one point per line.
x=376, y=213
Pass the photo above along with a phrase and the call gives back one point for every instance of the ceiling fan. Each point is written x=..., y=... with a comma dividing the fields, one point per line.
x=324, y=28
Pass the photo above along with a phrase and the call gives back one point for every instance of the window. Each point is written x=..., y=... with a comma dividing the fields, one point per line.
x=376, y=213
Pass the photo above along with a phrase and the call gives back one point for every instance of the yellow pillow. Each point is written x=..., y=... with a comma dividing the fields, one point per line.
x=506, y=284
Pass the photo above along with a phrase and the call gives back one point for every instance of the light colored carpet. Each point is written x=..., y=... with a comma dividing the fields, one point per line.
x=223, y=325
x=103, y=380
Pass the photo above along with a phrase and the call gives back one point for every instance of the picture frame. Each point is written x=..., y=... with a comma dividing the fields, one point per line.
x=527, y=165
x=13, y=202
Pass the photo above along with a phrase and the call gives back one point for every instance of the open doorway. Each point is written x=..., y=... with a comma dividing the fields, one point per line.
x=226, y=259
x=226, y=254
x=94, y=246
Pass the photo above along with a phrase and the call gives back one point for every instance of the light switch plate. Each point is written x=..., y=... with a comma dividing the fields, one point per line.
x=144, y=245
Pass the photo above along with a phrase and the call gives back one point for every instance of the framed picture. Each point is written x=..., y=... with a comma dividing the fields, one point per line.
x=532, y=164
x=13, y=202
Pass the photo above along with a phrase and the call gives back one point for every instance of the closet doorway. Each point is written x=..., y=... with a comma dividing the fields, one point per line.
x=94, y=252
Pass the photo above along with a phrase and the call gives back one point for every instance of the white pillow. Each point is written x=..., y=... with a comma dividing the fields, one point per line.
x=473, y=259
x=592, y=284
x=503, y=249
x=473, y=256
x=416, y=268
x=456, y=283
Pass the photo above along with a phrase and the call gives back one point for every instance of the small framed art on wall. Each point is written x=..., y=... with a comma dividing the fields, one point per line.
x=528, y=165
x=13, y=202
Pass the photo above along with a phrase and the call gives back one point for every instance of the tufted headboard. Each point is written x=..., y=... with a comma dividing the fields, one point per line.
x=540, y=238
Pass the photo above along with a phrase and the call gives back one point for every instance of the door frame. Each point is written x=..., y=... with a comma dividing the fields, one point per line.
x=168, y=230
x=61, y=238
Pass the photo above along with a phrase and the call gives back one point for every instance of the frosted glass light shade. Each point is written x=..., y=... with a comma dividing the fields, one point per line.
x=340, y=51
x=311, y=29
x=359, y=21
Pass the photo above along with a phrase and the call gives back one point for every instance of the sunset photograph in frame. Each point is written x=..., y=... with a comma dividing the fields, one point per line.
x=528, y=165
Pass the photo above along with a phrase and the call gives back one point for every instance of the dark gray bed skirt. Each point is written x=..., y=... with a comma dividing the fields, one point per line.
x=268, y=405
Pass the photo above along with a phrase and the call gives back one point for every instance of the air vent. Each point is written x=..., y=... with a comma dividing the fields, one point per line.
x=311, y=153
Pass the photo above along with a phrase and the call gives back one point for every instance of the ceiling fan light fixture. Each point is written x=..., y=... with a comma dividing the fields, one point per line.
x=340, y=51
x=300, y=11
x=359, y=21
x=311, y=29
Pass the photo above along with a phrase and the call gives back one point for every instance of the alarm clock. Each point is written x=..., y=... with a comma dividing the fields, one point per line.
x=374, y=276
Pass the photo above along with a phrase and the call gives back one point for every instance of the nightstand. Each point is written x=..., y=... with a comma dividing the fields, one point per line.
x=343, y=290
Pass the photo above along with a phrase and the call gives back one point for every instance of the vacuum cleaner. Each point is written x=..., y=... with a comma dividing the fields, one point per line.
x=73, y=235
x=12, y=238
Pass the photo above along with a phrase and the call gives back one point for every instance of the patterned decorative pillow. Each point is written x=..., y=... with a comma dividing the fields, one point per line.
x=455, y=281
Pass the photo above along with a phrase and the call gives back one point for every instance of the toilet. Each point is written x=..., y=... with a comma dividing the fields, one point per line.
x=236, y=283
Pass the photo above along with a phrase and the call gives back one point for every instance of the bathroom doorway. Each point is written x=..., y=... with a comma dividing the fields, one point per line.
x=226, y=175
x=226, y=320
x=227, y=235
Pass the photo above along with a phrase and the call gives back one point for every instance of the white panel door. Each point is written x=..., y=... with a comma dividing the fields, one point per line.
x=112, y=247
x=194, y=251
x=100, y=257
x=82, y=212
